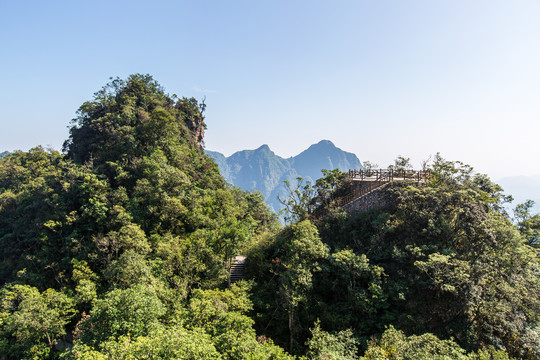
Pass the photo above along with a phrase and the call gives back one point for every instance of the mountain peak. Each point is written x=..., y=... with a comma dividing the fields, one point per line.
x=262, y=170
x=264, y=147
x=323, y=144
x=326, y=142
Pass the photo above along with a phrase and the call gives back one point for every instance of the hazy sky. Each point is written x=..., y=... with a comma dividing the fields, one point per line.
x=378, y=78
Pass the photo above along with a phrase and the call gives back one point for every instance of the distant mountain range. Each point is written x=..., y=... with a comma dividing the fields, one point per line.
x=262, y=170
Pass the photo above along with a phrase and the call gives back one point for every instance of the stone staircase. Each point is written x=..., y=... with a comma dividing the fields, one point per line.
x=236, y=271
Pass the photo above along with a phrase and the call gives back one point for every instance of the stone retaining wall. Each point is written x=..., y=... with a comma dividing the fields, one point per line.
x=371, y=201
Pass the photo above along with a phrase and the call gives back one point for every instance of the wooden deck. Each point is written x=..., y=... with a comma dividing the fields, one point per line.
x=388, y=175
x=365, y=181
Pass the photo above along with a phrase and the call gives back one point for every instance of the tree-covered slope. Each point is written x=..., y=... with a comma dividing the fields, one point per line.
x=262, y=170
x=439, y=258
x=120, y=247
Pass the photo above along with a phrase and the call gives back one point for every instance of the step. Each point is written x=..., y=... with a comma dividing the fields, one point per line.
x=236, y=271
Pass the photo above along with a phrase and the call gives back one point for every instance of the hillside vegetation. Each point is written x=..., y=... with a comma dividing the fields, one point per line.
x=119, y=248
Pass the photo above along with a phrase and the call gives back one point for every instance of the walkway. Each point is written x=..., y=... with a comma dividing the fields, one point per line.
x=236, y=272
x=365, y=181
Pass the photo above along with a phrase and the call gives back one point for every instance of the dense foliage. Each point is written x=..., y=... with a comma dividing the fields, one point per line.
x=109, y=245
x=439, y=258
x=119, y=248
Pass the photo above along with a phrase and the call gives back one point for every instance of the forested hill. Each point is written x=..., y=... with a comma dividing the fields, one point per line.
x=262, y=170
x=120, y=248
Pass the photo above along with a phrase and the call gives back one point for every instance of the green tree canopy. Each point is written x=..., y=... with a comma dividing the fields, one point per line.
x=126, y=226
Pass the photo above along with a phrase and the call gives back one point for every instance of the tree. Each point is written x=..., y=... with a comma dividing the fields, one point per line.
x=299, y=203
x=323, y=345
x=49, y=209
x=126, y=227
x=395, y=345
x=471, y=270
x=369, y=166
x=32, y=323
x=401, y=163
x=175, y=343
x=329, y=188
x=127, y=118
x=449, y=260
x=135, y=311
x=451, y=173
x=222, y=315
x=213, y=325
x=528, y=224
x=296, y=255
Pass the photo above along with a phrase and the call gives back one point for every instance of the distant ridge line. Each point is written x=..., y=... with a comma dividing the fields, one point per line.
x=262, y=170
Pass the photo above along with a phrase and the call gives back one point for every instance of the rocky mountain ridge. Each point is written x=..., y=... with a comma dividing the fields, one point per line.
x=262, y=170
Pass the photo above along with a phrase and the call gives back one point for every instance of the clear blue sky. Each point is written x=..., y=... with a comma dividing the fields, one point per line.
x=378, y=78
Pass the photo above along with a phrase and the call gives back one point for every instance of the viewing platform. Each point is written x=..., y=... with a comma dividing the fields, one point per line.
x=387, y=175
x=365, y=181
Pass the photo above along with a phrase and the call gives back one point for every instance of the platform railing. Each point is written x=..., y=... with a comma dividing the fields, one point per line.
x=371, y=179
x=389, y=175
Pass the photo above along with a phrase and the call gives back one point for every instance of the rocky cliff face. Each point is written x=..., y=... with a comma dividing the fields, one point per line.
x=262, y=170
x=196, y=125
